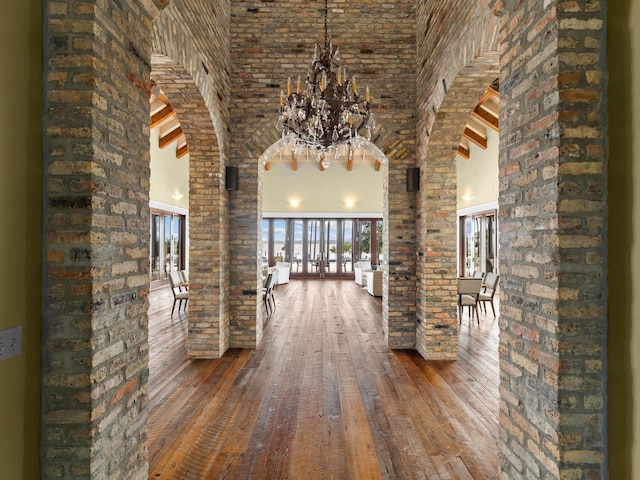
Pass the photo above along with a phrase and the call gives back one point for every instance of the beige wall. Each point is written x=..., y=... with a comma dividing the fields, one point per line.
x=624, y=235
x=20, y=242
x=323, y=192
x=478, y=176
x=169, y=175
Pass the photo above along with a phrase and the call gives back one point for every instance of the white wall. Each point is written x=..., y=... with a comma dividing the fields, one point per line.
x=323, y=192
x=169, y=175
x=478, y=176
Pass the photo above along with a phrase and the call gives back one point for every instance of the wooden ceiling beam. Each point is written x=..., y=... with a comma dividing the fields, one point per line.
x=463, y=152
x=475, y=138
x=170, y=137
x=294, y=162
x=377, y=167
x=267, y=166
x=182, y=150
x=162, y=115
x=350, y=159
x=486, y=117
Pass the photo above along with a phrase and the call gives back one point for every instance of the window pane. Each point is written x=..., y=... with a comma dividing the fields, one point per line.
x=347, y=245
x=265, y=243
x=365, y=240
x=279, y=239
x=379, y=227
x=155, y=247
x=331, y=245
x=313, y=245
x=296, y=248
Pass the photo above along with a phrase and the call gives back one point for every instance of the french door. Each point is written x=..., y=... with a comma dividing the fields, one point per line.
x=478, y=244
x=320, y=247
x=167, y=246
x=315, y=247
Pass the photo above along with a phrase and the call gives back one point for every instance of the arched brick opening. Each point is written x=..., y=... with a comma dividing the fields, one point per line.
x=552, y=225
x=208, y=335
x=387, y=148
x=437, y=328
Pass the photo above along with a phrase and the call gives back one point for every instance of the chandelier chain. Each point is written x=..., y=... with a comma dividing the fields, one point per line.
x=325, y=111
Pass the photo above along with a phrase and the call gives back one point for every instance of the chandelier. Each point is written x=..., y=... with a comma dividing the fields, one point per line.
x=325, y=111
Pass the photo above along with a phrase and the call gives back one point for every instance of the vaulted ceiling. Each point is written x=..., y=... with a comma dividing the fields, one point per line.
x=484, y=115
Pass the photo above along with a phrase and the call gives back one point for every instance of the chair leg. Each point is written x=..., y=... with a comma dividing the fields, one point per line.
x=174, y=306
x=493, y=308
x=477, y=316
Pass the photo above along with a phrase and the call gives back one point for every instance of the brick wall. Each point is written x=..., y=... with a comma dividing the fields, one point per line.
x=96, y=230
x=552, y=242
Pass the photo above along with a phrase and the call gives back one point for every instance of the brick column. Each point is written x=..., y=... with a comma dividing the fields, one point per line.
x=96, y=227
x=552, y=241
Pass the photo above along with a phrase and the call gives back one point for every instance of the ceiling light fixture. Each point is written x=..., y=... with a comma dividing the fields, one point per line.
x=325, y=111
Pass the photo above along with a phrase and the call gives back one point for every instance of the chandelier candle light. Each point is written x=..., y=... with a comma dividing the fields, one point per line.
x=325, y=111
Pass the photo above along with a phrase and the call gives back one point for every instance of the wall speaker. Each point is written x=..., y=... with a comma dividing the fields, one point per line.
x=231, y=180
x=413, y=179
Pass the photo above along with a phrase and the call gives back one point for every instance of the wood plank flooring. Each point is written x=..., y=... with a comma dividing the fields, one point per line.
x=321, y=397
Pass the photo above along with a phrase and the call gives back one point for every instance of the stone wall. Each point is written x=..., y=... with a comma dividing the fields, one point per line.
x=552, y=241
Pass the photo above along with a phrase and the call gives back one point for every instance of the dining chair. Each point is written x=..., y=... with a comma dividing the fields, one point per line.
x=267, y=294
x=489, y=287
x=178, y=293
x=468, y=293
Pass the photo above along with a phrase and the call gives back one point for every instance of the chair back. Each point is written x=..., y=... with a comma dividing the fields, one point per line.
x=174, y=279
x=184, y=276
x=491, y=281
x=268, y=283
x=469, y=286
x=478, y=274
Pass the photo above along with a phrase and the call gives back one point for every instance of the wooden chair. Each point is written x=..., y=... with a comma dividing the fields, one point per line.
x=468, y=293
x=489, y=287
x=179, y=294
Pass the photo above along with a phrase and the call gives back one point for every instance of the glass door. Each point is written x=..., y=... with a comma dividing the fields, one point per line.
x=314, y=252
x=316, y=248
x=167, y=251
x=478, y=244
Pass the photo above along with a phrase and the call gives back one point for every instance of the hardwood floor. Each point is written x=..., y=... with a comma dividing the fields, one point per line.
x=321, y=397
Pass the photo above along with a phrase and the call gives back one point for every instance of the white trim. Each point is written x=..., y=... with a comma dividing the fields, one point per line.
x=483, y=207
x=167, y=208
x=321, y=215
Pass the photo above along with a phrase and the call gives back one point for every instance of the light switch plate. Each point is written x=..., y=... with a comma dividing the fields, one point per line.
x=10, y=342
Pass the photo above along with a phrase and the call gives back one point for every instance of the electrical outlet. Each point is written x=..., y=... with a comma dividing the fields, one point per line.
x=10, y=342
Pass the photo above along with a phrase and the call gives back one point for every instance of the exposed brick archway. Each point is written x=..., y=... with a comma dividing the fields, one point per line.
x=437, y=330
x=389, y=150
x=208, y=335
x=96, y=221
